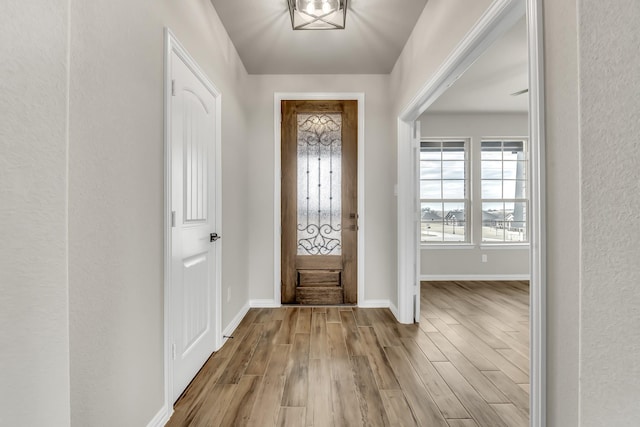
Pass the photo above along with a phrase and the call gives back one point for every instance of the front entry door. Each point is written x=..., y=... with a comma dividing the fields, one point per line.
x=193, y=251
x=319, y=202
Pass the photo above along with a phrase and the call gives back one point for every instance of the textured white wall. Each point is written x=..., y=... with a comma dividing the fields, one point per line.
x=563, y=211
x=609, y=58
x=500, y=261
x=116, y=196
x=34, y=327
x=591, y=53
x=441, y=26
x=379, y=177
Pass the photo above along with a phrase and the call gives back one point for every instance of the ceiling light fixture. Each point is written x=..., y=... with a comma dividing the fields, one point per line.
x=318, y=14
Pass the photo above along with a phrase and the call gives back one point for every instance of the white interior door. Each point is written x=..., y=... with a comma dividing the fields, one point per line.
x=193, y=198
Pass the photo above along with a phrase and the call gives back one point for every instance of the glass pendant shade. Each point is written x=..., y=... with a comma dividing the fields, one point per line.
x=318, y=14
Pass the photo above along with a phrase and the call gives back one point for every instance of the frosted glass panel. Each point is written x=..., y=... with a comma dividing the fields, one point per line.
x=319, y=184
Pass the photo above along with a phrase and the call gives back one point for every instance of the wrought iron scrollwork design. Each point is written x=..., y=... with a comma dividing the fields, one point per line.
x=319, y=137
x=319, y=129
x=320, y=242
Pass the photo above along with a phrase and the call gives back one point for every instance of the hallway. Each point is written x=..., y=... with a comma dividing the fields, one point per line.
x=465, y=364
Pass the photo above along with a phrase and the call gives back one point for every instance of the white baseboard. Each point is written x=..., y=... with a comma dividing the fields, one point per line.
x=394, y=309
x=235, y=322
x=463, y=277
x=263, y=303
x=162, y=417
x=380, y=303
x=269, y=303
x=374, y=303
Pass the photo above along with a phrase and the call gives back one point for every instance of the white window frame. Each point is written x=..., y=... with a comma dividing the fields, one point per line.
x=525, y=200
x=466, y=200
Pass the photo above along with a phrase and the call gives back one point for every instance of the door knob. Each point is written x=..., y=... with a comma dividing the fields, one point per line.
x=213, y=237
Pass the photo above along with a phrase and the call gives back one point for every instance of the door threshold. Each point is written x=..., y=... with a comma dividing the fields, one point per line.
x=320, y=305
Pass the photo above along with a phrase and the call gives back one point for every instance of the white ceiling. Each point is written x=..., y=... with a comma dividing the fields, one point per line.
x=375, y=33
x=373, y=38
x=488, y=84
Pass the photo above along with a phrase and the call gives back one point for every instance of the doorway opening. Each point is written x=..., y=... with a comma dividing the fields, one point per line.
x=354, y=214
x=500, y=16
x=319, y=202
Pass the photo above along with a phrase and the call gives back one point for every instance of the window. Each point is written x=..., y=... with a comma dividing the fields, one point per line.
x=444, y=191
x=504, y=191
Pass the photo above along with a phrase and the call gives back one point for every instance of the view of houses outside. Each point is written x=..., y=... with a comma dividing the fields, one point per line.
x=450, y=226
x=443, y=190
x=443, y=224
x=444, y=186
x=504, y=191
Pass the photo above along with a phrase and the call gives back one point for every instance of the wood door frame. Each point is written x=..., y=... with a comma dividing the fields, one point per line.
x=173, y=46
x=315, y=96
x=293, y=265
x=497, y=18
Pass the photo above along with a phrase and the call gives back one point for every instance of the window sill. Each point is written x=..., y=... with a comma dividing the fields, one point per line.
x=469, y=246
x=436, y=246
x=492, y=246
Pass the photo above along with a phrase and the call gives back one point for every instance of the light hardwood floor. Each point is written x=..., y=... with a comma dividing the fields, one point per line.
x=465, y=364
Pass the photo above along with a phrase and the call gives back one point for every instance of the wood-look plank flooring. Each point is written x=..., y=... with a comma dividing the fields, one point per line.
x=465, y=364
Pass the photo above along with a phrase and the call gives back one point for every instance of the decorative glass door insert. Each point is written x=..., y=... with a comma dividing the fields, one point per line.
x=319, y=184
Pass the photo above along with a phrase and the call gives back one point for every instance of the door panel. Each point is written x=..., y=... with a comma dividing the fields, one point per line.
x=319, y=201
x=193, y=255
x=195, y=156
x=195, y=310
